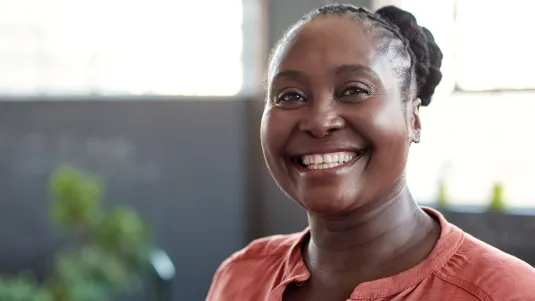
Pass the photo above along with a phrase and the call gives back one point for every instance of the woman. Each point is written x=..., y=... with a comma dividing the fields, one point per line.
x=344, y=90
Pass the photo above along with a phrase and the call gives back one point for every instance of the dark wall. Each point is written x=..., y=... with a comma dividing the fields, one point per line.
x=511, y=233
x=183, y=164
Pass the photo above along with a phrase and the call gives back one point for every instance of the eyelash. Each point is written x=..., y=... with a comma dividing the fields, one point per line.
x=280, y=99
x=358, y=90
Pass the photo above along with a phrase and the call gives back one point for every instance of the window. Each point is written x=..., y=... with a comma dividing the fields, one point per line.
x=120, y=47
x=471, y=141
x=486, y=46
x=493, y=50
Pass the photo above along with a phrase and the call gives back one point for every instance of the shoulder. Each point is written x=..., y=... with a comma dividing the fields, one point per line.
x=264, y=260
x=264, y=249
x=488, y=273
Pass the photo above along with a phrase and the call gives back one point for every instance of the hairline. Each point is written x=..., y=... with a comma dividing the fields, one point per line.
x=406, y=81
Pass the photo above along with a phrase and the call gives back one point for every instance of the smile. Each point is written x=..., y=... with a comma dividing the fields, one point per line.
x=329, y=160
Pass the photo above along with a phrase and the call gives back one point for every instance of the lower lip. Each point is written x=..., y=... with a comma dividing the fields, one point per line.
x=330, y=170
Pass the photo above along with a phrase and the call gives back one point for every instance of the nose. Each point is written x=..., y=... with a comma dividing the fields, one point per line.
x=321, y=120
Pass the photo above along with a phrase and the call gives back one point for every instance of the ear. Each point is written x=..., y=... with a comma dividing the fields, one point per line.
x=414, y=124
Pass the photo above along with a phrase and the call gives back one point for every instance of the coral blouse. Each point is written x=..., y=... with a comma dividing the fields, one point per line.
x=459, y=268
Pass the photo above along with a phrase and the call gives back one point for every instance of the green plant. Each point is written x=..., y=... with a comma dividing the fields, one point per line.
x=108, y=252
x=498, y=202
x=22, y=288
x=76, y=199
x=443, y=200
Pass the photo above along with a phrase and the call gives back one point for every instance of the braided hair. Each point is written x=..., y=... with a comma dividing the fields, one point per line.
x=398, y=30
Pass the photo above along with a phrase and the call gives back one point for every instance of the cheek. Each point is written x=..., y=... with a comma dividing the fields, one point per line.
x=271, y=136
x=264, y=132
x=390, y=139
x=390, y=125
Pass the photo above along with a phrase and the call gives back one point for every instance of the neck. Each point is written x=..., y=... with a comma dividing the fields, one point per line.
x=370, y=237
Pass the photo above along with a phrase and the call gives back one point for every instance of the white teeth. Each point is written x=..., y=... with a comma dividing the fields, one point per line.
x=322, y=161
x=336, y=157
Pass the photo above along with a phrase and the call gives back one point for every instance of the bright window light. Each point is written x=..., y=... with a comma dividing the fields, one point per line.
x=120, y=47
x=494, y=50
x=485, y=48
x=471, y=141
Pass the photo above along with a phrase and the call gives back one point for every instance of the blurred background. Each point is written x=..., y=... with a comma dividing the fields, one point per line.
x=162, y=101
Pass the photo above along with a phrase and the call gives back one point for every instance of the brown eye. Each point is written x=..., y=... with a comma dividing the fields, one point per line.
x=290, y=98
x=354, y=91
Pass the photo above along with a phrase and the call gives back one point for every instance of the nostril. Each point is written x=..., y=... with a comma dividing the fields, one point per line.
x=322, y=124
x=327, y=133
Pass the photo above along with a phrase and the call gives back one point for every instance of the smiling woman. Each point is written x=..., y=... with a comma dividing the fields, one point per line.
x=345, y=86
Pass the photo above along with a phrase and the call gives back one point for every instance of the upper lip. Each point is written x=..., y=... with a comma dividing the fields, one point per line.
x=317, y=150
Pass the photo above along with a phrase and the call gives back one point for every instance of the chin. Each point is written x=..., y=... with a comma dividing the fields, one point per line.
x=328, y=202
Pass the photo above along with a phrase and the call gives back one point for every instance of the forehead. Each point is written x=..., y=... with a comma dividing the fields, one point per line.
x=328, y=42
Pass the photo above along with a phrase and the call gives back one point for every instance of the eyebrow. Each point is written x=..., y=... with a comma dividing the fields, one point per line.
x=289, y=73
x=352, y=68
x=348, y=68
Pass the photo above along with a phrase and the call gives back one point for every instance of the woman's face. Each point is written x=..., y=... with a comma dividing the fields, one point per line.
x=335, y=130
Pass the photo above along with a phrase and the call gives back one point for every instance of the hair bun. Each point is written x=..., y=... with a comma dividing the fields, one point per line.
x=426, y=55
